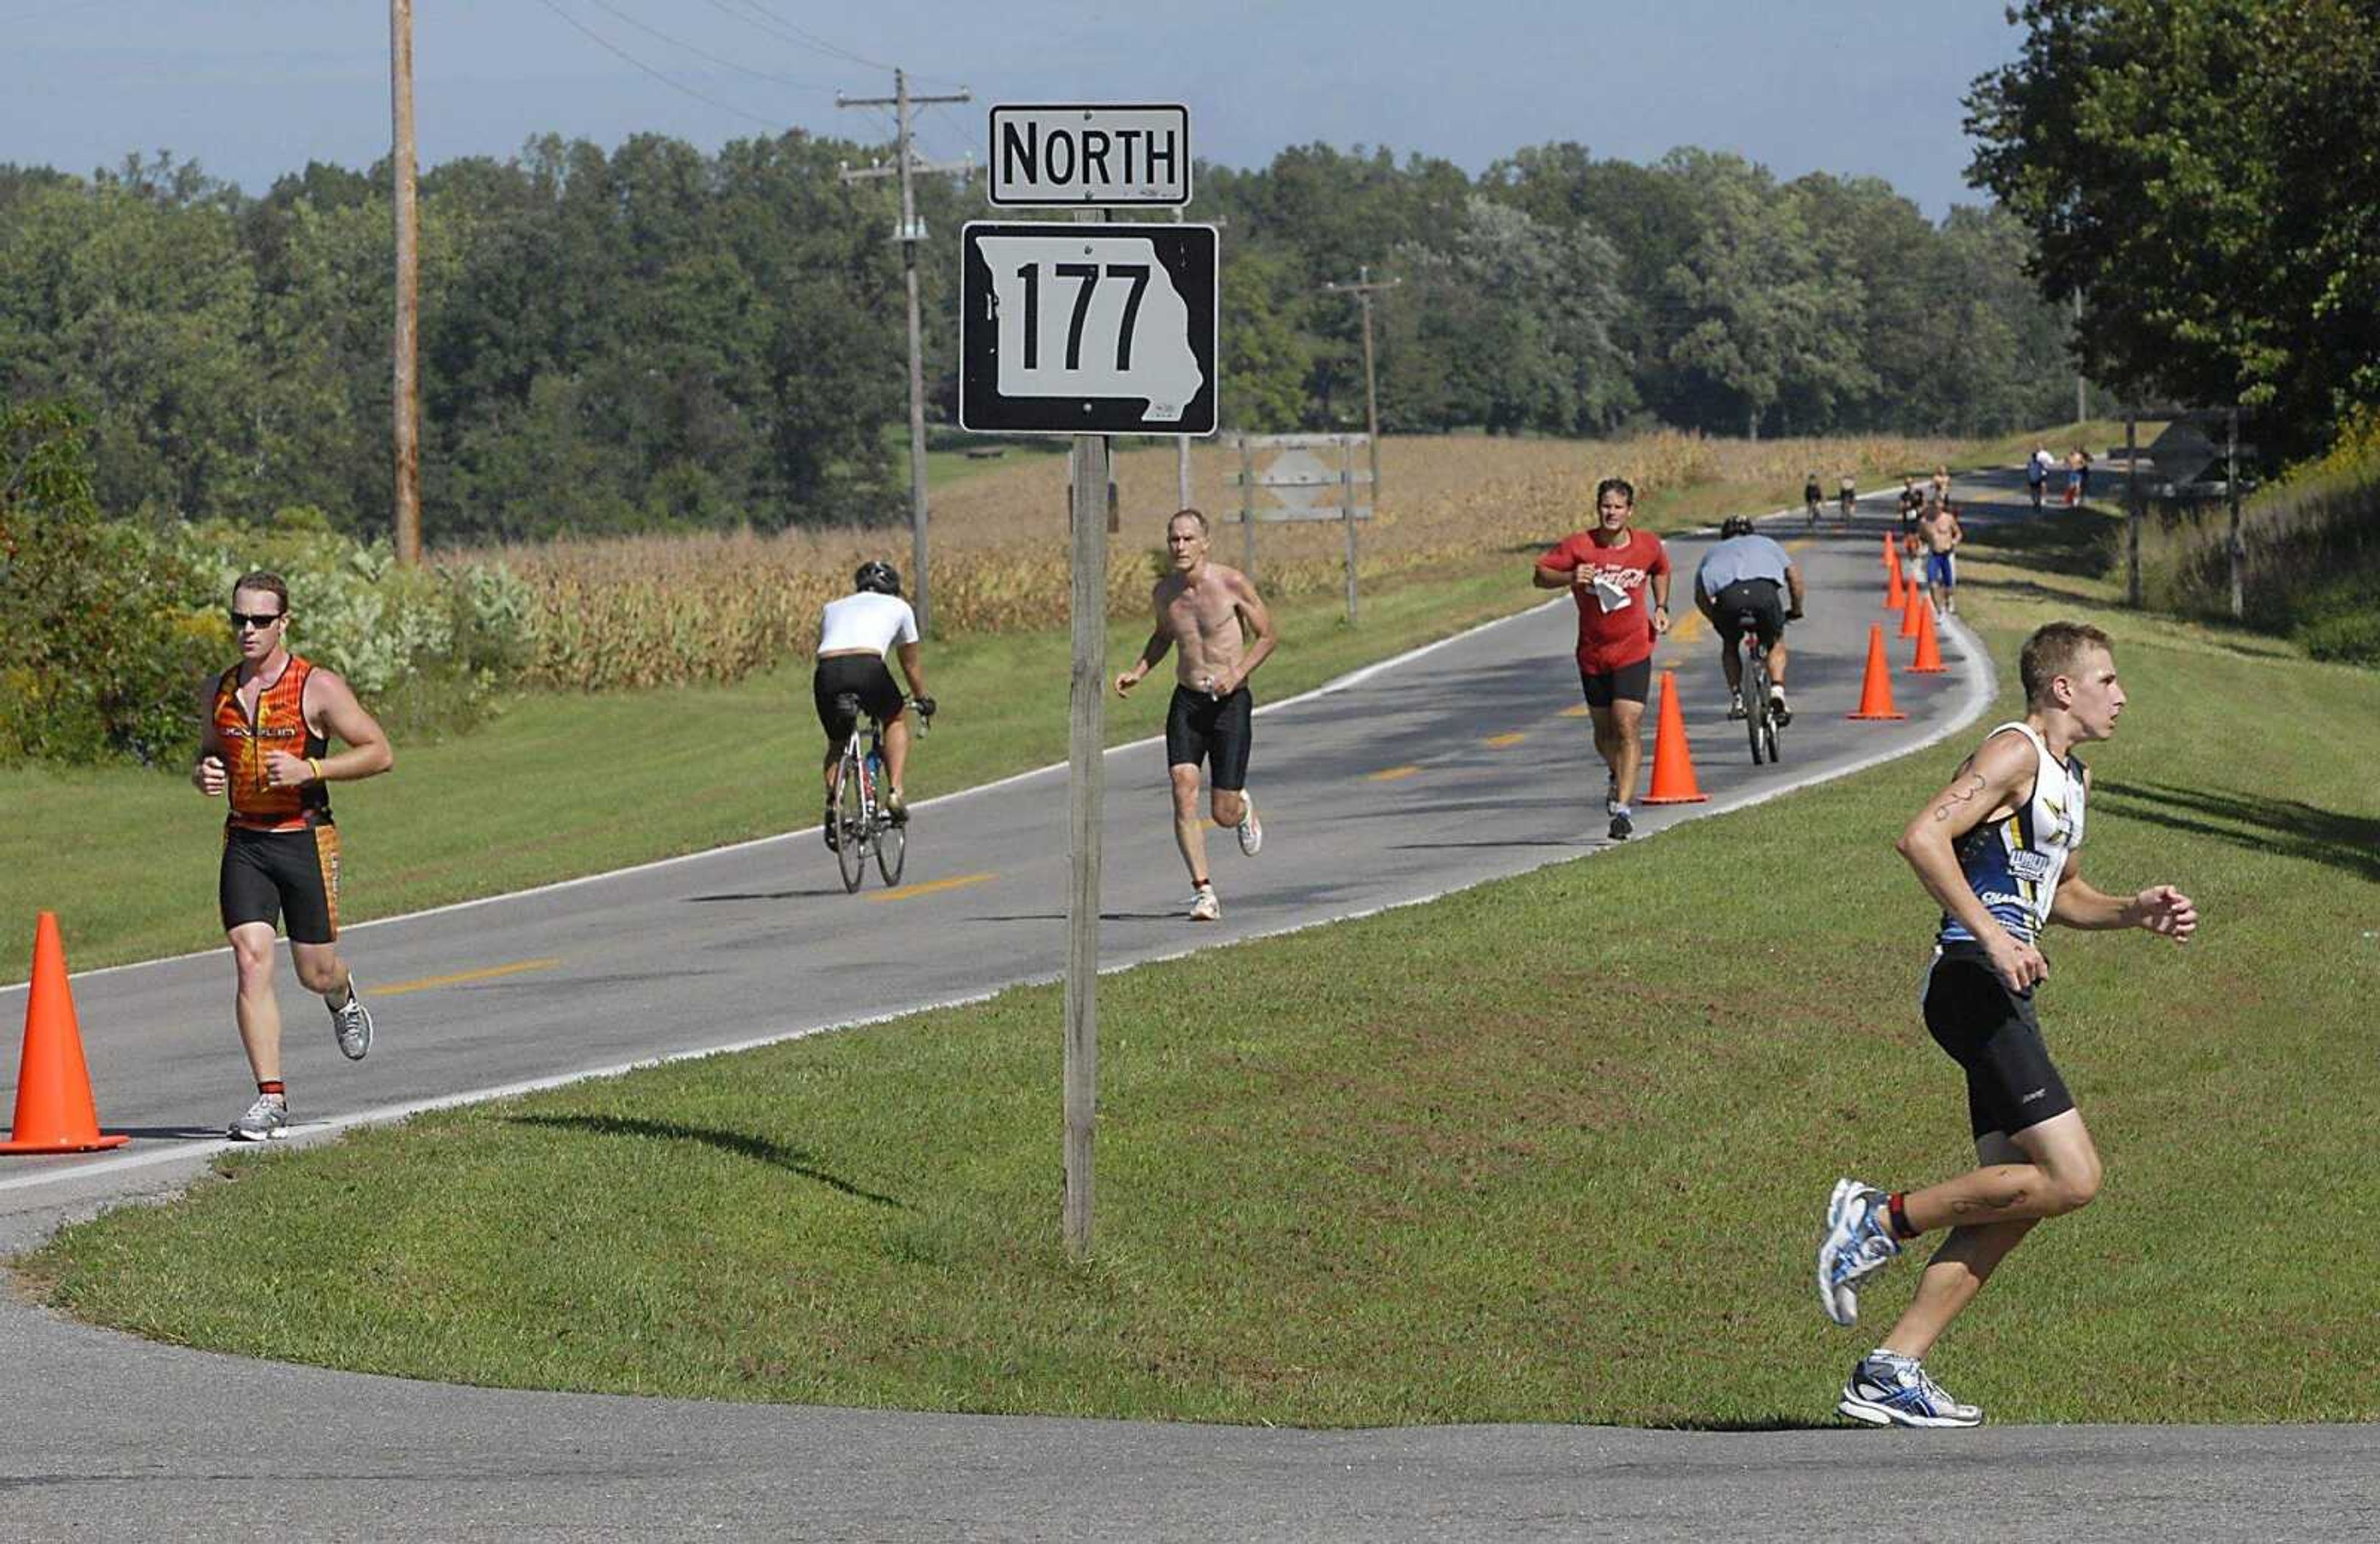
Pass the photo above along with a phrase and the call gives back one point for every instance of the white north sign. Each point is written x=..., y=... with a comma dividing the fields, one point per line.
x=1078, y=154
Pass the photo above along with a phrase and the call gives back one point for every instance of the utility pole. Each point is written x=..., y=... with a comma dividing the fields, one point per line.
x=1364, y=288
x=913, y=230
x=407, y=399
x=2079, y=404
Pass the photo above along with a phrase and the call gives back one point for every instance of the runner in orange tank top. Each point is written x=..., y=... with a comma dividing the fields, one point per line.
x=266, y=746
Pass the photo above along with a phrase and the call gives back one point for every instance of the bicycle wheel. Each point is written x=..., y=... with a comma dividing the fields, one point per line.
x=850, y=822
x=1755, y=701
x=892, y=851
x=1768, y=733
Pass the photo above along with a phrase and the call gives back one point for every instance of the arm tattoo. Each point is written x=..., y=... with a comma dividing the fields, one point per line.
x=1960, y=793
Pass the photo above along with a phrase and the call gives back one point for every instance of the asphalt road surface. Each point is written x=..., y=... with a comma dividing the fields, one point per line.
x=1464, y=763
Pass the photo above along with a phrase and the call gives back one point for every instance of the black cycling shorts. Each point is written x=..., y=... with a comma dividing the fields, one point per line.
x=289, y=877
x=1992, y=1033
x=1762, y=597
x=1214, y=730
x=863, y=676
x=1632, y=683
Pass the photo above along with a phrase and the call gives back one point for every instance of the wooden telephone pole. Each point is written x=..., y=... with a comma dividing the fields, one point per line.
x=1364, y=288
x=406, y=403
x=913, y=230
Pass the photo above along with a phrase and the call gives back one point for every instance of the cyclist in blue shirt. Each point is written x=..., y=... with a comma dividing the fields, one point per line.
x=1747, y=572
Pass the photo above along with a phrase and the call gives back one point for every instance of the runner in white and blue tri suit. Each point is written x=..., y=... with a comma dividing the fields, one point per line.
x=1996, y=849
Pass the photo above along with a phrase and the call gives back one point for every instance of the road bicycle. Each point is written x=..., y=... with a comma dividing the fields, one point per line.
x=1849, y=497
x=1760, y=708
x=1810, y=504
x=860, y=826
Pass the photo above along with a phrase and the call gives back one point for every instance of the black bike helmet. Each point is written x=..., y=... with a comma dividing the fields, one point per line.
x=881, y=577
x=1734, y=526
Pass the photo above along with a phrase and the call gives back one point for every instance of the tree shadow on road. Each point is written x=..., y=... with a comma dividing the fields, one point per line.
x=759, y=1149
x=2259, y=822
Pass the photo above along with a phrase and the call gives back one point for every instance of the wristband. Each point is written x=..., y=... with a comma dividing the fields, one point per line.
x=317, y=767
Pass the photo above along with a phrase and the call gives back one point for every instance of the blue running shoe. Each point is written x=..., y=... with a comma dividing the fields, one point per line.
x=1887, y=1389
x=1858, y=1243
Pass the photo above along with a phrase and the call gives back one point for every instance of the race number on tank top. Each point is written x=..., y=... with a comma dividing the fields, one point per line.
x=2013, y=863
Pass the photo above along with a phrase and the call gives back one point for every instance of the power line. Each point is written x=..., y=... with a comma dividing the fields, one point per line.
x=702, y=54
x=772, y=123
x=769, y=21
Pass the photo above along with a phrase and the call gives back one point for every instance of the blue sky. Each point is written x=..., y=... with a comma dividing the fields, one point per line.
x=254, y=88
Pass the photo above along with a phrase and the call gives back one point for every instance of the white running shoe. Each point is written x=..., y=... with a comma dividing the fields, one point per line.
x=1858, y=1243
x=266, y=1119
x=1204, y=907
x=1251, y=830
x=352, y=1024
x=1887, y=1389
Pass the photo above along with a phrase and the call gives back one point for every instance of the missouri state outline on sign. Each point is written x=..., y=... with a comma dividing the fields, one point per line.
x=1090, y=316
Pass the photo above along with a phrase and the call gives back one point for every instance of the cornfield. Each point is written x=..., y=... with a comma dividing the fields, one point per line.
x=646, y=611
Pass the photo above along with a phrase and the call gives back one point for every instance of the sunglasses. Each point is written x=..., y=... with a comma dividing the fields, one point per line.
x=253, y=619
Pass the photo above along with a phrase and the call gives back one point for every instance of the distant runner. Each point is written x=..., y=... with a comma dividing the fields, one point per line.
x=1223, y=632
x=1997, y=850
x=1607, y=569
x=1939, y=534
x=265, y=742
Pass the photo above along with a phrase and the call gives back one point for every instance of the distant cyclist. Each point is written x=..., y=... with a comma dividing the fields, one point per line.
x=1849, y=493
x=853, y=635
x=1811, y=494
x=1747, y=572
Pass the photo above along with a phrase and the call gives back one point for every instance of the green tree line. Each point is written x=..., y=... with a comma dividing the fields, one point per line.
x=650, y=337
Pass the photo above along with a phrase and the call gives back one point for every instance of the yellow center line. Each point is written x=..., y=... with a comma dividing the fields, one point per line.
x=1392, y=773
x=930, y=887
x=490, y=974
x=1581, y=711
x=1500, y=741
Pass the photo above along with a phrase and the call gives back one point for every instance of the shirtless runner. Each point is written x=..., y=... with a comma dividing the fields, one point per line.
x=1223, y=631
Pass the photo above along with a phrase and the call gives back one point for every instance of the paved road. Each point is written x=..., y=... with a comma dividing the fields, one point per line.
x=108, y=1437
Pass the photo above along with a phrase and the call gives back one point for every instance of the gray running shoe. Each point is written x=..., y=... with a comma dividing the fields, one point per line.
x=1887, y=1389
x=352, y=1024
x=266, y=1119
x=1251, y=829
x=1611, y=795
x=1858, y=1243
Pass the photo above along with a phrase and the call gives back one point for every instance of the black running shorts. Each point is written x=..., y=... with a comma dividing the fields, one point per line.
x=289, y=877
x=1214, y=730
x=1632, y=683
x=1760, y=597
x=1991, y=1032
x=862, y=675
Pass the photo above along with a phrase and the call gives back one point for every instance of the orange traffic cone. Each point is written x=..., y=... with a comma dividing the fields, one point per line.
x=1895, y=595
x=1673, y=767
x=54, y=1109
x=1926, y=658
x=1876, y=692
x=1913, y=602
x=1891, y=552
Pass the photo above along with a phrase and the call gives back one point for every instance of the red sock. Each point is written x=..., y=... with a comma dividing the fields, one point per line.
x=273, y=1086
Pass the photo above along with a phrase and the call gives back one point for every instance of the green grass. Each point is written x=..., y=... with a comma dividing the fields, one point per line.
x=565, y=784
x=1552, y=1148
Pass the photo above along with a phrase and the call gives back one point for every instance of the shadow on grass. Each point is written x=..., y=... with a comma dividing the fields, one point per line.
x=2348, y=843
x=758, y=1149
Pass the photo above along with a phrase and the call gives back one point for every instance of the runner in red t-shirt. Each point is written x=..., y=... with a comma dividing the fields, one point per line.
x=1607, y=570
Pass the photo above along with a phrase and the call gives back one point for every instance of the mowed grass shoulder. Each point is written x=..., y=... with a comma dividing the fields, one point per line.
x=1553, y=1148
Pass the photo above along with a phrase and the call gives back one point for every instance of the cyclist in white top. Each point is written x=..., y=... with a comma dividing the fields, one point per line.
x=854, y=633
x=1995, y=850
